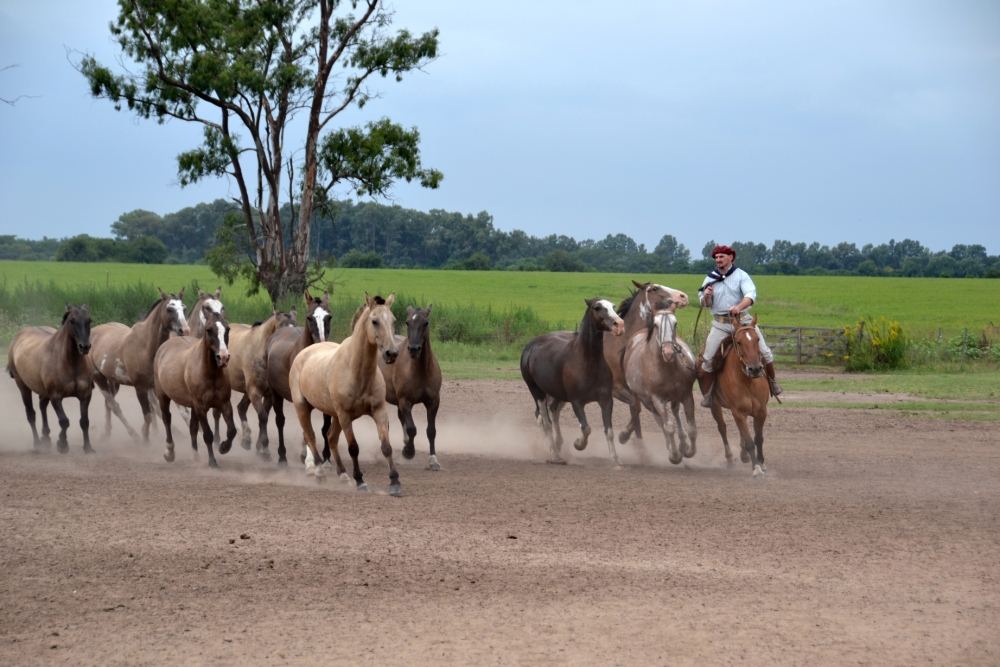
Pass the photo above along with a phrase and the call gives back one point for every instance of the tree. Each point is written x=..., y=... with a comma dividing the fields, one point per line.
x=134, y=224
x=244, y=69
x=675, y=256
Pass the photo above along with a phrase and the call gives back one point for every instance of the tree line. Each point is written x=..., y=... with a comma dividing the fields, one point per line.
x=365, y=234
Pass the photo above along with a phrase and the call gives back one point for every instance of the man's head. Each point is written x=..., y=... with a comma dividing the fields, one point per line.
x=724, y=257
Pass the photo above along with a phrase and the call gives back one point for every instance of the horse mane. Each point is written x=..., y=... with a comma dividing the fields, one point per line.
x=357, y=315
x=257, y=324
x=623, y=307
x=65, y=315
x=151, y=308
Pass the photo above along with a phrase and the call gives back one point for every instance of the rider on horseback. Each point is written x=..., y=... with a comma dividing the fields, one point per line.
x=728, y=292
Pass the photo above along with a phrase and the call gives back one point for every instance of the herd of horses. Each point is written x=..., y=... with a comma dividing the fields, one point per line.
x=632, y=353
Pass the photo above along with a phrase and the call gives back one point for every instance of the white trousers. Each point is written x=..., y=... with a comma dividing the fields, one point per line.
x=720, y=332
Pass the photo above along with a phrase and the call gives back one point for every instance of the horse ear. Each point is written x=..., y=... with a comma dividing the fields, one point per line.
x=163, y=295
x=218, y=292
x=326, y=298
x=589, y=302
x=276, y=312
x=754, y=322
x=68, y=307
x=180, y=295
x=429, y=306
x=295, y=315
x=308, y=297
x=638, y=284
x=392, y=297
x=368, y=299
x=409, y=311
x=84, y=307
x=202, y=294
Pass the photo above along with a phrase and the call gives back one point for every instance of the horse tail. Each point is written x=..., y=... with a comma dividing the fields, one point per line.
x=621, y=358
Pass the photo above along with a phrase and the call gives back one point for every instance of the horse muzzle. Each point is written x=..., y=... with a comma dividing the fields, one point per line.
x=390, y=356
x=83, y=348
x=415, y=351
x=755, y=371
x=618, y=328
x=667, y=350
x=183, y=331
x=222, y=359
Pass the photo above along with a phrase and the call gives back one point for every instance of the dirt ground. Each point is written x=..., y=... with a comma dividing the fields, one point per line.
x=873, y=540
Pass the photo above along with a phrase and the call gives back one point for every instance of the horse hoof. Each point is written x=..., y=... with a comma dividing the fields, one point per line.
x=321, y=479
x=264, y=455
x=409, y=451
x=558, y=462
x=676, y=461
x=327, y=465
x=579, y=447
x=396, y=490
x=282, y=463
x=213, y=464
x=344, y=478
x=758, y=473
x=62, y=447
x=745, y=456
x=690, y=452
x=763, y=467
x=225, y=447
x=623, y=437
x=87, y=449
x=245, y=444
x=730, y=463
x=432, y=463
x=364, y=488
x=618, y=466
x=168, y=456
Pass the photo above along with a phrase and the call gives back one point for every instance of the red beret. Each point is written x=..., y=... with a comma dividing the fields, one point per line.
x=723, y=249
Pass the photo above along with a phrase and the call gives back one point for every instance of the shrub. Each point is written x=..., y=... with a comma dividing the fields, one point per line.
x=876, y=344
x=356, y=259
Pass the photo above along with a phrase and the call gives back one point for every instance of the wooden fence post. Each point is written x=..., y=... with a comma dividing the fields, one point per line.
x=798, y=355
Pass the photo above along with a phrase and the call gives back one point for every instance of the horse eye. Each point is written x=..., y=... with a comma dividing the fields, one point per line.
x=375, y=323
x=170, y=309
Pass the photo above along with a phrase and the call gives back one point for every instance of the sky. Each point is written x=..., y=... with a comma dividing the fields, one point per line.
x=854, y=121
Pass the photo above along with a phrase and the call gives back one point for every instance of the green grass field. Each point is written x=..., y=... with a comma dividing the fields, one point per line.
x=921, y=305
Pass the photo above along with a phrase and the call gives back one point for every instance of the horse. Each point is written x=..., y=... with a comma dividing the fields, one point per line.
x=192, y=372
x=124, y=355
x=570, y=367
x=248, y=374
x=414, y=378
x=660, y=371
x=343, y=381
x=636, y=311
x=281, y=350
x=54, y=364
x=741, y=386
x=198, y=314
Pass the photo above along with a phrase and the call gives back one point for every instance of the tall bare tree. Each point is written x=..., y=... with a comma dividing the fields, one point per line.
x=244, y=69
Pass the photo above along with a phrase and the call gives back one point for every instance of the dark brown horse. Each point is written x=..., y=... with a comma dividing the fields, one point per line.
x=637, y=312
x=282, y=348
x=123, y=355
x=659, y=368
x=414, y=378
x=741, y=386
x=565, y=367
x=54, y=364
x=192, y=372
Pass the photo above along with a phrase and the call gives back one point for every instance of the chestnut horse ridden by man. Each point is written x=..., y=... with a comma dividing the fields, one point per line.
x=124, y=355
x=343, y=382
x=566, y=367
x=55, y=365
x=192, y=372
x=741, y=386
x=414, y=378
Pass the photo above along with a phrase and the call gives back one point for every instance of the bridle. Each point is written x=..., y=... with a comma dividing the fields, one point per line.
x=664, y=320
x=739, y=355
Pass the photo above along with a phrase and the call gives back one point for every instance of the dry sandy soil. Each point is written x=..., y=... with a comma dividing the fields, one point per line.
x=873, y=540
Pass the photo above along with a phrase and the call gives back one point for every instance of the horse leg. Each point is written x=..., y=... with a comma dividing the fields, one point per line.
x=580, y=443
x=43, y=407
x=155, y=403
x=279, y=421
x=720, y=422
x=208, y=436
x=85, y=423
x=147, y=412
x=432, y=411
x=555, y=410
x=758, y=439
x=262, y=404
x=661, y=413
x=109, y=390
x=747, y=442
x=692, y=430
x=231, y=431
x=164, y=403
x=333, y=443
x=405, y=411
x=241, y=409
x=29, y=410
x=193, y=430
x=544, y=420
x=217, y=414
x=327, y=422
x=304, y=413
x=62, y=444
x=675, y=410
x=609, y=431
x=353, y=450
x=381, y=418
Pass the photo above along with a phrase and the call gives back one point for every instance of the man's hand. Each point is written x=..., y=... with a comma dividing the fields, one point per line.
x=734, y=311
x=707, y=295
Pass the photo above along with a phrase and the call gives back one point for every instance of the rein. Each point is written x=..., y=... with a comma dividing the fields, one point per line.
x=743, y=363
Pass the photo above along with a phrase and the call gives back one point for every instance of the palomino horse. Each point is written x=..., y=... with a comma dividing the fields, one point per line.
x=192, y=372
x=741, y=386
x=54, y=365
x=281, y=350
x=660, y=372
x=123, y=355
x=414, y=378
x=344, y=382
x=198, y=313
x=570, y=368
x=637, y=312
x=248, y=374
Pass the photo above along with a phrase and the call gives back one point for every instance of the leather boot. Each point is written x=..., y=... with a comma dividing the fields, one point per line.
x=707, y=382
x=775, y=387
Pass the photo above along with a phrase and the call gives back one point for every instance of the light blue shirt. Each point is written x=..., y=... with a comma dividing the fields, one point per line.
x=730, y=291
